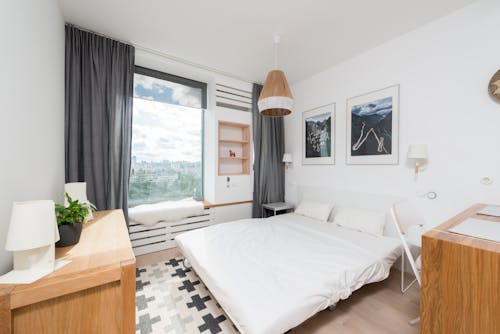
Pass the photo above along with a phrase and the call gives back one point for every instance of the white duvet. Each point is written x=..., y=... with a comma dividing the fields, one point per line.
x=272, y=274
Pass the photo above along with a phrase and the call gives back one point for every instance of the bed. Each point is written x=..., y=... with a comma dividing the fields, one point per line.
x=270, y=275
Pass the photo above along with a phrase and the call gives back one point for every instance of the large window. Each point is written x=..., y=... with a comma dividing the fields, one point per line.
x=167, y=138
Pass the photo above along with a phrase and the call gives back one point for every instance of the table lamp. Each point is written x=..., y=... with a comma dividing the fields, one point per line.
x=77, y=191
x=31, y=236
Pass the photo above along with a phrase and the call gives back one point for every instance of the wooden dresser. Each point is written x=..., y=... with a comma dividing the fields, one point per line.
x=95, y=293
x=460, y=280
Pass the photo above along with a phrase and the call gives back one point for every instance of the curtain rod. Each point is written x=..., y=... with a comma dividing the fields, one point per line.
x=166, y=55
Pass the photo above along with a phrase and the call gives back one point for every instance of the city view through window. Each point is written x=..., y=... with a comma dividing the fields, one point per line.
x=167, y=140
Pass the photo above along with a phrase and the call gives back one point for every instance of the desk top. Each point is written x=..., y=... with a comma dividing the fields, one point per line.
x=97, y=259
x=441, y=232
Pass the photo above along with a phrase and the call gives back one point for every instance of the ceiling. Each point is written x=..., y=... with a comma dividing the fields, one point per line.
x=237, y=36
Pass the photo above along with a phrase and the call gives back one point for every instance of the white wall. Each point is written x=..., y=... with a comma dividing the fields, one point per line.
x=443, y=69
x=31, y=107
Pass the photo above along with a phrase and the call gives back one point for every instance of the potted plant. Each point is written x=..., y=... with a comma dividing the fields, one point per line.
x=70, y=220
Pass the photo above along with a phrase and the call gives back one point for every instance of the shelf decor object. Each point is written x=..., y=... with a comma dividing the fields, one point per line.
x=31, y=236
x=276, y=97
x=234, y=148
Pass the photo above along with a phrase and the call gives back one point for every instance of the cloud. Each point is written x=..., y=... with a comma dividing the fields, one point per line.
x=166, y=132
x=381, y=107
x=166, y=91
x=138, y=146
x=144, y=81
x=187, y=96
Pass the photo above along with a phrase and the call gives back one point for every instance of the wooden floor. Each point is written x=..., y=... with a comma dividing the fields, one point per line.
x=375, y=308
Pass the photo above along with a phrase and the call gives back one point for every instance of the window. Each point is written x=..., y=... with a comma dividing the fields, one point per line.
x=167, y=138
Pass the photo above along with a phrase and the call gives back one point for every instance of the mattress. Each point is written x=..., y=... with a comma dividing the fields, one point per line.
x=270, y=275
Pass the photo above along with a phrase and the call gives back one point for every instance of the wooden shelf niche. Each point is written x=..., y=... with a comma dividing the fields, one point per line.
x=234, y=137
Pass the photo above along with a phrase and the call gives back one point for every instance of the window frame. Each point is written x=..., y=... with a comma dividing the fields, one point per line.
x=190, y=83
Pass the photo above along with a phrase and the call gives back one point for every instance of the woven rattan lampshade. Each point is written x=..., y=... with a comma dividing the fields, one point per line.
x=276, y=98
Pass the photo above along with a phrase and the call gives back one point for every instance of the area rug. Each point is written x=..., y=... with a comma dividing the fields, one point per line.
x=172, y=299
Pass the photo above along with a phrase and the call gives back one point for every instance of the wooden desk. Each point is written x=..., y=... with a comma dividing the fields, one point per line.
x=95, y=293
x=460, y=280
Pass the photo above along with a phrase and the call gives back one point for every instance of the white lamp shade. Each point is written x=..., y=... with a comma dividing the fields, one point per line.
x=275, y=98
x=418, y=151
x=287, y=158
x=77, y=191
x=283, y=103
x=32, y=225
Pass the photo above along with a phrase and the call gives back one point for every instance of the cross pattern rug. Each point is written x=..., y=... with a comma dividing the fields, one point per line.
x=172, y=299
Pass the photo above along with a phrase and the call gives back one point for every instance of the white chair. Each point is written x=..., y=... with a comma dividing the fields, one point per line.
x=415, y=240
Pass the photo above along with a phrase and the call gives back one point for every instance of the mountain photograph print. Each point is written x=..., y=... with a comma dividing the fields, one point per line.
x=318, y=135
x=373, y=127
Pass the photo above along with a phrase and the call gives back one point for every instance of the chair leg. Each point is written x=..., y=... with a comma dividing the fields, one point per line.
x=403, y=288
x=186, y=263
x=414, y=321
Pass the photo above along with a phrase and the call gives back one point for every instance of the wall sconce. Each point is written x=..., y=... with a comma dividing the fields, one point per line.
x=287, y=159
x=417, y=154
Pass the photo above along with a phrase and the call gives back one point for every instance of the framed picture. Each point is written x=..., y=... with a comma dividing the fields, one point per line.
x=318, y=136
x=373, y=128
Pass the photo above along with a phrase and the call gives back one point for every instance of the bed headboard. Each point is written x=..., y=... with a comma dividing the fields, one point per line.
x=353, y=199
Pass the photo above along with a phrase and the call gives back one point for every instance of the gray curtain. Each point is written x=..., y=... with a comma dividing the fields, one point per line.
x=269, y=146
x=98, y=116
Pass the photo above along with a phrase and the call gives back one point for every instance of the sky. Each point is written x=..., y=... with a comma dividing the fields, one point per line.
x=166, y=91
x=381, y=107
x=167, y=121
x=319, y=118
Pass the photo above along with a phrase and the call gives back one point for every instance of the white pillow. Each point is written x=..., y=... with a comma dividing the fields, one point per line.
x=316, y=210
x=362, y=220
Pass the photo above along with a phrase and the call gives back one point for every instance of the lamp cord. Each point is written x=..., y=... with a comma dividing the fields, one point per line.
x=276, y=43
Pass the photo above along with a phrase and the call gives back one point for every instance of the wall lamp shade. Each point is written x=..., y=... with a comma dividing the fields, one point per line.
x=287, y=158
x=31, y=236
x=417, y=153
x=276, y=97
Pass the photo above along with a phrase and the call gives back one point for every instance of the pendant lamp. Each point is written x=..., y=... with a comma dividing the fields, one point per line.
x=276, y=98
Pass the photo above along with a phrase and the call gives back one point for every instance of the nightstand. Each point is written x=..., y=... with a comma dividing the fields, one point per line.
x=278, y=207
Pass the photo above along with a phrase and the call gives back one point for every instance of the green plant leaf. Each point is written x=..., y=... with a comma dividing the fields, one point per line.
x=74, y=213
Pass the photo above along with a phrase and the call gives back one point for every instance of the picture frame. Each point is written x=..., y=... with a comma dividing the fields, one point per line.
x=318, y=136
x=373, y=128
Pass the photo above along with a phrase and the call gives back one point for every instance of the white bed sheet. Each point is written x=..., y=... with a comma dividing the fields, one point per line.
x=272, y=274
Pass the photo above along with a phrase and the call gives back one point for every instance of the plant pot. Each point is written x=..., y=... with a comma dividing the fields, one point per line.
x=69, y=234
